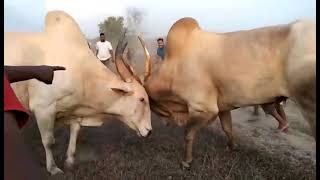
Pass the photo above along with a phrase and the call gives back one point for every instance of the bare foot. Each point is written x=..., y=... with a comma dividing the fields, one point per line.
x=284, y=128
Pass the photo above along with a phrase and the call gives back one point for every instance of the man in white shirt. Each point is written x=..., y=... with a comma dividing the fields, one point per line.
x=104, y=50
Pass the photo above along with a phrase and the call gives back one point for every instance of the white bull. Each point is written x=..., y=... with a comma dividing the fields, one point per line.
x=80, y=96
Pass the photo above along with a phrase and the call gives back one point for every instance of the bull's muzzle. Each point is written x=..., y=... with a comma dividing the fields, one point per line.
x=149, y=133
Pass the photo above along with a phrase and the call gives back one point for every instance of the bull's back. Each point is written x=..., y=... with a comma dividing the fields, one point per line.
x=252, y=67
x=264, y=63
x=20, y=49
x=247, y=67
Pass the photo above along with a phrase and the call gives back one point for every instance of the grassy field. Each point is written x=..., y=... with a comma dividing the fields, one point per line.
x=115, y=152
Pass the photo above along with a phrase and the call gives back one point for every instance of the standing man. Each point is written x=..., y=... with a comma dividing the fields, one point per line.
x=104, y=50
x=161, y=49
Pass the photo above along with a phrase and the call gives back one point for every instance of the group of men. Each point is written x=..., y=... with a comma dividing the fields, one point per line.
x=104, y=50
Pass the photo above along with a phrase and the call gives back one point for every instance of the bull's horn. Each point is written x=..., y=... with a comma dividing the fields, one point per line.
x=121, y=47
x=147, y=64
x=124, y=69
x=120, y=65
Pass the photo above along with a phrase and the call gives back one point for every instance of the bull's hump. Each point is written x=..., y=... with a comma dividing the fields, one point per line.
x=183, y=27
x=56, y=17
x=60, y=22
x=179, y=35
x=186, y=23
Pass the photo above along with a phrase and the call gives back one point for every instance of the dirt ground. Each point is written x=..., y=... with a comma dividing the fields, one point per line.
x=113, y=151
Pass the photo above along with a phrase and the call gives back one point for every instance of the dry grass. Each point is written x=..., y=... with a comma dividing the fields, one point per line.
x=115, y=152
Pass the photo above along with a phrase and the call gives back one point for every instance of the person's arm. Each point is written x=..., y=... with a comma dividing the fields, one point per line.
x=22, y=73
x=111, y=52
x=112, y=57
x=97, y=49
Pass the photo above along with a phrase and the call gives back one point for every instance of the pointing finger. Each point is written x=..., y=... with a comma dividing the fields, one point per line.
x=58, y=68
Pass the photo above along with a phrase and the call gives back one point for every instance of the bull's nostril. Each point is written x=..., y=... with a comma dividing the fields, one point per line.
x=149, y=133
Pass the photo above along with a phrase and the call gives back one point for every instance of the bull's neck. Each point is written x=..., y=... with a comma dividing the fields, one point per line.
x=97, y=77
x=159, y=84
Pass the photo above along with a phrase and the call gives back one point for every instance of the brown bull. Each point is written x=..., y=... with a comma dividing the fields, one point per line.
x=206, y=74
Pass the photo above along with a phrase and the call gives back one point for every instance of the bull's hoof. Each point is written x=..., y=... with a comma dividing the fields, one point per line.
x=232, y=148
x=68, y=166
x=185, y=165
x=55, y=170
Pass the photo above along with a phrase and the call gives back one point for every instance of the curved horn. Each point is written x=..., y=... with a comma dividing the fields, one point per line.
x=132, y=71
x=121, y=47
x=147, y=64
x=120, y=65
x=125, y=70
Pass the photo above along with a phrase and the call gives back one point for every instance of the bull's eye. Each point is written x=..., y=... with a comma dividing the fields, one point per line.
x=142, y=99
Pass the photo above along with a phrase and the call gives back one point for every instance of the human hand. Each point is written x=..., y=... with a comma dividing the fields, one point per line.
x=45, y=73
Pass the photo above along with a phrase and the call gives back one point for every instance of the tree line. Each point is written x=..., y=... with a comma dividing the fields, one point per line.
x=114, y=26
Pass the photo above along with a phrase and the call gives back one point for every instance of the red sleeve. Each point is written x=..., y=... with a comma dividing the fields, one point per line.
x=12, y=104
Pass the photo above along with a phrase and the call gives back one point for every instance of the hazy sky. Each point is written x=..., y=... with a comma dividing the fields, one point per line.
x=24, y=15
x=213, y=15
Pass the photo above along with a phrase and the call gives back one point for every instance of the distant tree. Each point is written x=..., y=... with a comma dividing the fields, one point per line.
x=113, y=27
x=134, y=17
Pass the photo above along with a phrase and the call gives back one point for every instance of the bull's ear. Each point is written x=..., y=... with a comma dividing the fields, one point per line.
x=122, y=91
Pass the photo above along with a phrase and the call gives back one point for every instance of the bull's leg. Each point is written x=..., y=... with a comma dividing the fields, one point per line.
x=255, y=110
x=190, y=133
x=226, y=123
x=45, y=120
x=199, y=118
x=271, y=109
x=281, y=112
x=309, y=113
x=74, y=131
x=307, y=103
x=301, y=68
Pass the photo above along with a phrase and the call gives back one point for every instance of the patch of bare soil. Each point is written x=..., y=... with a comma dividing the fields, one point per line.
x=115, y=152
